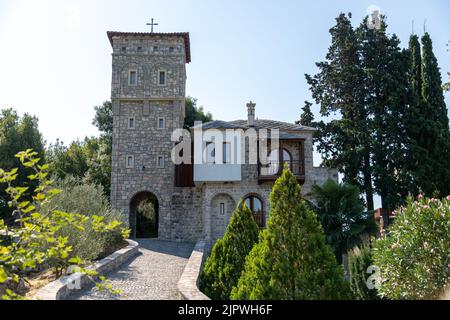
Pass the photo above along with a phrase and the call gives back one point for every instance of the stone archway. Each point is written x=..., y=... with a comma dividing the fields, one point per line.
x=144, y=215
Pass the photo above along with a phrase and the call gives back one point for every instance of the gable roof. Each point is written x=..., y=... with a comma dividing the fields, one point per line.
x=184, y=35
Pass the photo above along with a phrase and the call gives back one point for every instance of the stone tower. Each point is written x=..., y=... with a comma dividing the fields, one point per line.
x=148, y=97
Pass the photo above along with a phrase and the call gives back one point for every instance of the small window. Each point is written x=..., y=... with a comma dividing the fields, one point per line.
x=210, y=153
x=130, y=162
x=162, y=78
x=155, y=48
x=161, y=123
x=124, y=49
x=132, y=79
x=139, y=48
x=226, y=153
x=171, y=49
x=131, y=123
x=160, y=162
x=222, y=209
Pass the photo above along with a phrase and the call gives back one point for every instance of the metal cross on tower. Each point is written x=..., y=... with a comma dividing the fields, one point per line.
x=152, y=24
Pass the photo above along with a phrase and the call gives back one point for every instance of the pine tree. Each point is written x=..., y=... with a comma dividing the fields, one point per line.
x=339, y=88
x=224, y=266
x=307, y=117
x=292, y=259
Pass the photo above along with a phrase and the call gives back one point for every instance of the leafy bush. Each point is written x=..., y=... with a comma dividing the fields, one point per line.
x=360, y=259
x=223, y=268
x=414, y=256
x=292, y=259
x=342, y=215
x=82, y=197
x=35, y=241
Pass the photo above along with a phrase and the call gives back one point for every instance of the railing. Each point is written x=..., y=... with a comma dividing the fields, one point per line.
x=275, y=168
x=260, y=219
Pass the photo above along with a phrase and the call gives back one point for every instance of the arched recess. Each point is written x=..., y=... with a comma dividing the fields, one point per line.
x=222, y=206
x=144, y=215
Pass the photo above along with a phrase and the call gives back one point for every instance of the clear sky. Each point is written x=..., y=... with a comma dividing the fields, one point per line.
x=56, y=59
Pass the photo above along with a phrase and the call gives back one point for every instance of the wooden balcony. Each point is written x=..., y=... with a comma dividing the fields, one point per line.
x=272, y=171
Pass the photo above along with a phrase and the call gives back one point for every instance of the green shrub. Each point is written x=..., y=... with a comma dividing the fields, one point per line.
x=292, y=259
x=88, y=199
x=414, y=256
x=223, y=268
x=34, y=233
x=359, y=260
x=342, y=215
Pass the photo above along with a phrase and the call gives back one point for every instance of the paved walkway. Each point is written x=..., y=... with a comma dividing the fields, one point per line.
x=151, y=275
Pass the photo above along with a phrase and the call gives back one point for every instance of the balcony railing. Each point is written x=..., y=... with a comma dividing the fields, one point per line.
x=260, y=219
x=274, y=169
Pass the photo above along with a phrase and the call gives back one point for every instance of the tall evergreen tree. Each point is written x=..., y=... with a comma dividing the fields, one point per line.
x=292, y=260
x=307, y=117
x=386, y=69
x=419, y=162
x=437, y=121
x=339, y=88
x=432, y=91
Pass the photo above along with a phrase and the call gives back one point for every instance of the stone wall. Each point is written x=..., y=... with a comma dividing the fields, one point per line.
x=155, y=55
x=189, y=280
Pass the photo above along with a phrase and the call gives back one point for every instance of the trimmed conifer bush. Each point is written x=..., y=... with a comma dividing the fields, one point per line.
x=292, y=259
x=359, y=260
x=223, y=268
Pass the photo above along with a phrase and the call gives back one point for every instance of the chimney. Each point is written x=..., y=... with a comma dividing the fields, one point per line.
x=251, y=114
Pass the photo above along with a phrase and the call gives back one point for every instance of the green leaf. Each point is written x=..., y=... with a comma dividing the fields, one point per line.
x=3, y=275
x=76, y=260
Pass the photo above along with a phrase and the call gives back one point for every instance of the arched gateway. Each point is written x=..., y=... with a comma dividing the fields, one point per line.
x=144, y=215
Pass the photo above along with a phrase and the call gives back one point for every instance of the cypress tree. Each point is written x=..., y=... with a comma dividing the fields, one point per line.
x=432, y=90
x=419, y=164
x=292, y=259
x=437, y=124
x=224, y=266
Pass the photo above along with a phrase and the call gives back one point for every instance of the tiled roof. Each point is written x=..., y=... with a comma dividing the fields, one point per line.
x=219, y=124
x=262, y=124
x=273, y=124
x=184, y=35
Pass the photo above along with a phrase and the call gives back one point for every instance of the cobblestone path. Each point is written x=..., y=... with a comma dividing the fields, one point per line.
x=151, y=275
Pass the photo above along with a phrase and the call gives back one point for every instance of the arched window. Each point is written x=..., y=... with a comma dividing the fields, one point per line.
x=274, y=164
x=256, y=206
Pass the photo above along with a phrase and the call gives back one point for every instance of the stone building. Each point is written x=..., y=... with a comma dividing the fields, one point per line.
x=190, y=201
